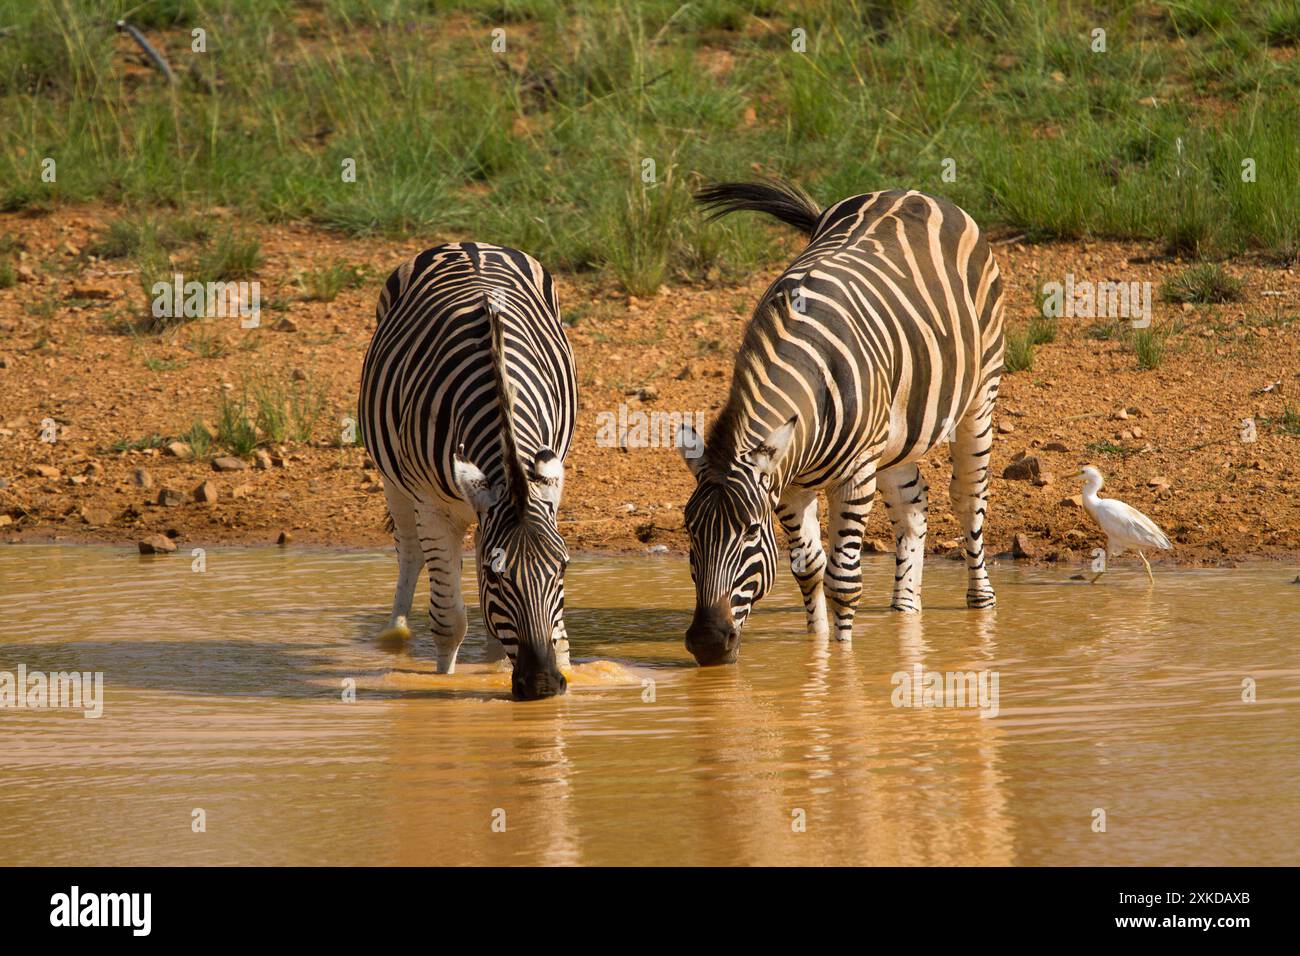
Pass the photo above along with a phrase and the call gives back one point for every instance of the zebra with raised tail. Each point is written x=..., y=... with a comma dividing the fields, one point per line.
x=467, y=406
x=880, y=341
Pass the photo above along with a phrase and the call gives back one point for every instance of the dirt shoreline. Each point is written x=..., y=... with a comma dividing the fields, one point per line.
x=1166, y=438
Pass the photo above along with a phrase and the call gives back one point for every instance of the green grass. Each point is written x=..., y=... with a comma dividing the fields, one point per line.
x=1288, y=422
x=199, y=438
x=235, y=431
x=8, y=275
x=1041, y=331
x=1019, y=353
x=1149, y=345
x=287, y=413
x=324, y=285
x=542, y=147
x=1205, y=283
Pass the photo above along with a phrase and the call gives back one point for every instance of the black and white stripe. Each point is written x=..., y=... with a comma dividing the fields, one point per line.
x=880, y=341
x=467, y=405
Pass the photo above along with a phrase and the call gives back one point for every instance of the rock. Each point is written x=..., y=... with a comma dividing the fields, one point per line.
x=207, y=493
x=1137, y=432
x=179, y=449
x=25, y=274
x=241, y=491
x=285, y=538
x=299, y=375
x=1023, y=547
x=156, y=544
x=1006, y=428
x=657, y=549
x=1043, y=480
x=285, y=325
x=1054, y=446
x=226, y=463
x=1074, y=501
x=142, y=478
x=5, y=521
x=46, y=471
x=261, y=459
x=1022, y=469
x=169, y=498
x=1121, y=415
x=97, y=517
x=1158, y=482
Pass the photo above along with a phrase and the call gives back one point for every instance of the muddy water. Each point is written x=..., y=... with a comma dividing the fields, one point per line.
x=223, y=692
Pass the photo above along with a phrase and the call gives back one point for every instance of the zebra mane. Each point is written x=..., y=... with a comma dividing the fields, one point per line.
x=516, y=478
x=726, y=440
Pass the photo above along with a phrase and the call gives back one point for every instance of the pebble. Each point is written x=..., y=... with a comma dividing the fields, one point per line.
x=142, y=478
x=156, y=544
x=1023, y=547
x=97, y=517
x=207, y=492
x=46, y=471
x=227, y=463
x=1023, y=469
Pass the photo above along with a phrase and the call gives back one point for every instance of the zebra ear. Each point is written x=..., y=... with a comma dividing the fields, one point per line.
x=691, y=446
x=472, y=484
x=767, y=454
x=547, y=477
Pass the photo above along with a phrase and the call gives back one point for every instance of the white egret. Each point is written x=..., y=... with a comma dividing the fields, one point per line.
x=1126, y=528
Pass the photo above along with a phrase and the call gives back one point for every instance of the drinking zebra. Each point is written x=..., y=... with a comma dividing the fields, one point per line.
x=467, y=405
x=880, y=341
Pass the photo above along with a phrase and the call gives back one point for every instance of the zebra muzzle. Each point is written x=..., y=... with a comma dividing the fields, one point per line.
x=713, y=637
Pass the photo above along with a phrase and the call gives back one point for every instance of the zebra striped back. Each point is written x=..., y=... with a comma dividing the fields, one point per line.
x=467, y=402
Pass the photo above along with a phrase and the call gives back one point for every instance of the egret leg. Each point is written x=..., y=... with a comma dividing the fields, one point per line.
x=1147, y=565
x=1096, y=577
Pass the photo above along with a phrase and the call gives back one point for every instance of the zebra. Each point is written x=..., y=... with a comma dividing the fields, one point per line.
x=467, y=406
x=882, y=339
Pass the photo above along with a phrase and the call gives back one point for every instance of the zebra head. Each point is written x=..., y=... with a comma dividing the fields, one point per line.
x=520, y=555
x=521, y=560
x=733, y=545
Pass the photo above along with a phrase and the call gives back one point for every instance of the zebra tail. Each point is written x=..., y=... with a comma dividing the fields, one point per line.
x=776, y=197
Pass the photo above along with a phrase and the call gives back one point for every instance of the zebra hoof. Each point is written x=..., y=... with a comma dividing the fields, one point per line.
x=979, y=600
x=396, y=632
x=905, y=608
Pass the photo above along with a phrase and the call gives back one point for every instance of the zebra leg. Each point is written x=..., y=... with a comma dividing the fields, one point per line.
x=904, y=492
x=972, y=443
x=440, y=539
x=797, y=513
x=849, y=504
x=409, y=561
